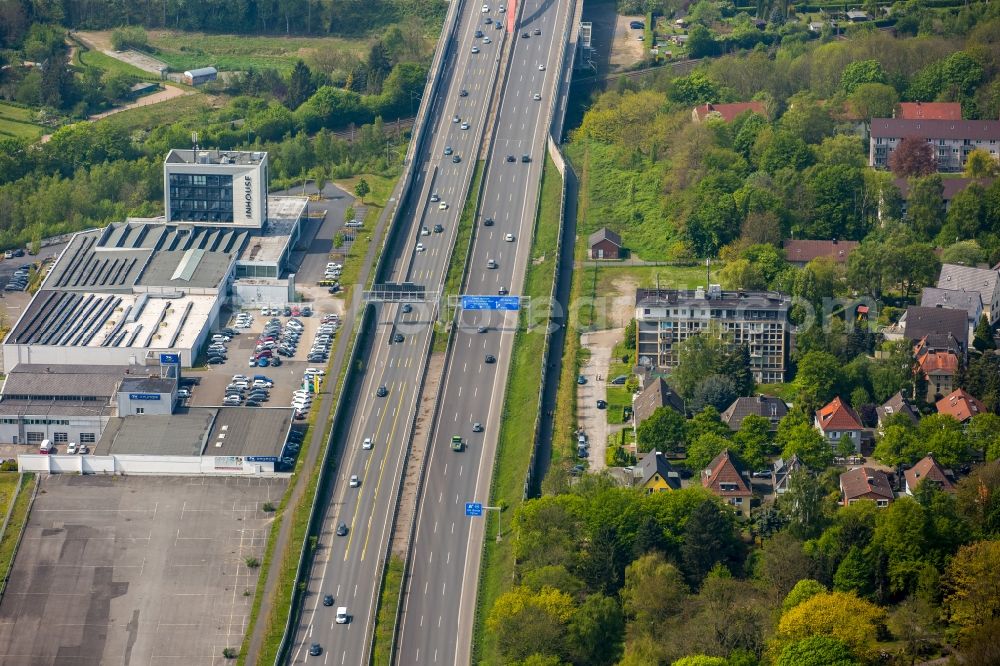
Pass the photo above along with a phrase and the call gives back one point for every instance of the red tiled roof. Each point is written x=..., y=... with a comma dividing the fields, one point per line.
x=729, y=111
x=928, y=468
x=865, y=482
x=807, y=250
x=960, y=405
x=938, y=362
x=838, y=415
x=722, y=470
x=930, y=110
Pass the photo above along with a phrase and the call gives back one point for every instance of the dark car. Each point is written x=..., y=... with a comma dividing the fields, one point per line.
x=637, y=25
x=511, y=158
x=502, y=291
x=306, y=312
x=216, y=360
x=398, y=337
x=490, y=358
x=276, y=362
x=328, y=600
x=525, y=158
x=525, y=34
x=488, y=222
x=407, y=308
x=488, y=20
x=342, y=529
x=333, y=290
x=251, y=403
x=382, y=391
x=483, y=329
x=438, y=228
x=479, y=33
x=463, y=93
x=315, y=650
x=287, y=312
x=602, y=404
x=456, y=159
x=619, y=380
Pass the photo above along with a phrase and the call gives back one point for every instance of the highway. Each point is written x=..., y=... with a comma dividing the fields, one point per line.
x=349, y=567
x=439, y=603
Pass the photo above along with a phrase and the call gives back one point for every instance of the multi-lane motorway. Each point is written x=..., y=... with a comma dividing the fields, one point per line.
x=439, y=600
x=349, y=566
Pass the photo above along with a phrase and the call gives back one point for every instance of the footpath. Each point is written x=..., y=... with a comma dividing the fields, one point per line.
x=301, y=479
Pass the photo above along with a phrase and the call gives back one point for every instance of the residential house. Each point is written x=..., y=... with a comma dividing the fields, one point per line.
x=726, y=478
x=984, y=280
x=865, y=483
x=727, y=112
x=950, y=187
x=952, y=139
x=955, y=299
x=939, y=368
x=838, y=422
x=943, y=327
x=801, y=252
x=781, y=473
x=771, y=408
x=960, y=405
x=655, y=474
x=605, y=244
x=895, y=405
x=930, y=111
x=928, y=469
x=667, y=317
x=654, y=395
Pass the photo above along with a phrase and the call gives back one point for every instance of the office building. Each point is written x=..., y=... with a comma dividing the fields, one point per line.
x=216, y=187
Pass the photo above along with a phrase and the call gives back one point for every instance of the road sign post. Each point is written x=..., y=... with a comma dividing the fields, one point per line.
x=475, y=510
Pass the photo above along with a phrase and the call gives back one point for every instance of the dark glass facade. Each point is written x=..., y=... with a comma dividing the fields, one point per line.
x=201, y=198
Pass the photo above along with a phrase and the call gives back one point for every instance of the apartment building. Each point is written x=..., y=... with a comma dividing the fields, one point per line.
x=667, y=317
x=953, y=140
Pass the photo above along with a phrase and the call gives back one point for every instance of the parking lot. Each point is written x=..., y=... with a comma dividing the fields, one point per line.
x=211, y=388
x=140, y=570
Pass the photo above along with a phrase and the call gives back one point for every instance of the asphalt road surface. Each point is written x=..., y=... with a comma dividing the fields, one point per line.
x=349, y=567
x=441, y=589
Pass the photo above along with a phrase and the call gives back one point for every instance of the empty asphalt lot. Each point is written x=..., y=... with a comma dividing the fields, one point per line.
x=137, y=570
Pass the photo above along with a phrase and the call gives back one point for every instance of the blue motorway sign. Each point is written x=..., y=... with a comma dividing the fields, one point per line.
x=512, y=303
x=270, y=459
x=170, y=359
x=473, y=509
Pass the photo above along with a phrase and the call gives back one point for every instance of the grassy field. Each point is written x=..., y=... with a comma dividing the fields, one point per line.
x=618, y=400
x=19, y=516
x=186, y=50
x=166, y=112
x=392, y=587
x=517, y=428
x=86, y=57
x=18, y=122
x=8, y=488
x=375, y=201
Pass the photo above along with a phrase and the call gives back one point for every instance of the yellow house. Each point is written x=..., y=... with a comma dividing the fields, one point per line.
x=656, y=475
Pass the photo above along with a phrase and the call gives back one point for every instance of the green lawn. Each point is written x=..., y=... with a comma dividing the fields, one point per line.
x=517, y=428
x=375, y=201
x=188, y=107
x=86, y=57
x=18, y=122
x=187, y=50
x=618, y=399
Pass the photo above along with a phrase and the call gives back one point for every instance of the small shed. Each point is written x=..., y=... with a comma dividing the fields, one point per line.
x=605, y=244
x=858, y=16
x=196, y=77
x=142, y=88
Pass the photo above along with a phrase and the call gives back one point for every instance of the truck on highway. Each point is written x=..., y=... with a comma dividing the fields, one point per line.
x=456, y=443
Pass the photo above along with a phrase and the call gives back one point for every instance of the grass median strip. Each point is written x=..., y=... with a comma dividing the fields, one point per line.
x=18, y=517
x=517, y=430
x=392, y=587
x=459, y=256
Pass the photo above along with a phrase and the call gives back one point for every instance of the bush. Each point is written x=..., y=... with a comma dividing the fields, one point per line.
x=230, y=653
x=251, y=562
x=268, y=507
x=129, y=37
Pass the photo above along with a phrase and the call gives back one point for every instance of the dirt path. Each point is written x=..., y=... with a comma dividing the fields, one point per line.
x=627, y=49
x=590, y=419
x=168, y=92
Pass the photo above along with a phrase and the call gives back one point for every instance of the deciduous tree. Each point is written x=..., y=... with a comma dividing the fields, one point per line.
x=841, y=616
x=662, y=430
x=913, y=157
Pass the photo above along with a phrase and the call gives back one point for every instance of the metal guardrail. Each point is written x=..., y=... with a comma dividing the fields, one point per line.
x=316, y=512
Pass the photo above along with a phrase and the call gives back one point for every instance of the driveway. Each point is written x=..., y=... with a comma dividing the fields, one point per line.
x=590, y=419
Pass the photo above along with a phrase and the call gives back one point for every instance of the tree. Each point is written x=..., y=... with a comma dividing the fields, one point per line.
x=972, y=586
x=873, y=100
x=300, y=86
x=983, y=435
x=701, y=660
x=981, y=378
x=817, y=379
x=977, y=499
x=980, y=164
x=862, y=72
x=963, y=253
x=526, y=622
x=350, y=214
x=595, y=631
x=752, y=439
x=913, y=156
x=129, y=37
x=925, y=209
x=694, y=89
x=361, y=189
x=984, y=335
x=702, y=450
x=698, y=357
x=804, y=590
x=709, y=539
x=966, y=216
x=629, y=336
x=717, y=391
x=783, y=564
x=654, y=591
x=817, y=651
x=837, y=615
x=803, y=505
x=804, y=441
x=663, y=430
x=700, y=42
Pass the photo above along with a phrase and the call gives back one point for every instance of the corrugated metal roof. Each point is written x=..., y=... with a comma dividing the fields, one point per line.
x=64, y=380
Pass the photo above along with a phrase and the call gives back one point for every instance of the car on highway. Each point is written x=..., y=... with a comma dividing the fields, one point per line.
x=463, y=93
x=438, y=228
x=486, y=9
x=435, y=197
x=511, y=158
x=509, y=238
x=420, y=247
x=491, y=263
x=355, y=481
x=526, y=158
x=488, y=21
x=315, y=650
x=525, y=34
x=456, y=443
x=342, y=529
x=342, y=616
x=536, y=31
x=477, y=427
x=456, y=159
x=424, y=231
x=483, y=329
x=541, y=67
x=328, y=600
x=382, y=391
x=488, y=222
x=502, y=291
x=486, y=40
x=479, y=33
x=475, y=49
x=501, y=9
x=448, y=150
x=398, y=337
x=367, y=444
x=443, y=205
x=536, y=96
x=464, y=126
x=456, y=119
x=490, y=358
